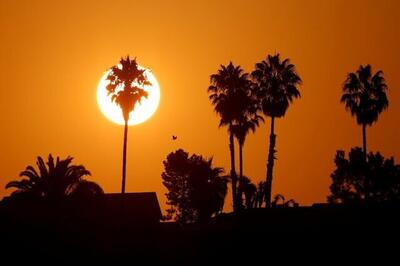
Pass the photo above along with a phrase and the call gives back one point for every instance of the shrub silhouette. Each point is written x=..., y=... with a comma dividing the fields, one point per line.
x=196, y=189
x=352, y=174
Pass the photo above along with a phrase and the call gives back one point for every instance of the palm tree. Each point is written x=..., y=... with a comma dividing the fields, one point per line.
x=277, y=84
x=126, y=82
x=226, y=94
x=55, y=181
x=248, y=121
x=364, y=95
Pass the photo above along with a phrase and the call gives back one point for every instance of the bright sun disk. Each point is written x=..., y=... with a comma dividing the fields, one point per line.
x=142, y=111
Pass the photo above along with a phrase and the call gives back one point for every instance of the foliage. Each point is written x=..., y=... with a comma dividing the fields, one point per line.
x=231, y=95
x=364, y=95
x=353, y=174
x=280, y=201
x=54, y=180
x=277, y=85
x=196, y=189
x=249, y=191
x=126, y=82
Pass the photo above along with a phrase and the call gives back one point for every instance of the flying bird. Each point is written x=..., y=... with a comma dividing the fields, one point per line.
x=174, y=137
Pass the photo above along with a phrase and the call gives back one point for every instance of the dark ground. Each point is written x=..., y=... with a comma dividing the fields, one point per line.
x=321, y=234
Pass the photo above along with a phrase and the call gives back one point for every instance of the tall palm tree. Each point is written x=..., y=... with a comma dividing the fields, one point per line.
x=226, y=94
x=54, y=180
x=248, y=121
x=277, y=83
x=126, y=82
x=364, y=95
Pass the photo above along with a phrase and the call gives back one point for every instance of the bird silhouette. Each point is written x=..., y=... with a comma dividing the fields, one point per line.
x=174, y=137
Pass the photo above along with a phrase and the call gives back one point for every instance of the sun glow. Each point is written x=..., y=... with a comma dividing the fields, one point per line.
x=142, y=112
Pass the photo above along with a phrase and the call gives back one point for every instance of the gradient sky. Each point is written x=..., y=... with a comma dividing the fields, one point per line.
x=53, y=54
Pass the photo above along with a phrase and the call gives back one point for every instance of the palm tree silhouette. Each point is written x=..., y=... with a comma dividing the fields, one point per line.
x=277, y=84
x=246, y=122
x=126, y=82
x=226, y=94
x=54, y=180
x=364, y=95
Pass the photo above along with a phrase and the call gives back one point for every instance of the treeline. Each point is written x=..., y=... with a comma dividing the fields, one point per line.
x=243, y=100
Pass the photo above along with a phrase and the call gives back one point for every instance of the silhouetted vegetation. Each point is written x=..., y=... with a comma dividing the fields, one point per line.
x=65, y=215
x=280, y=201
x=364, y=94
x=196, y=189
x=231, y=95
x=365, y=97
x=277, y=86
x=247, y=121
x=248, y=190
x=126, y=82
x=356, y=180
x=53, y=181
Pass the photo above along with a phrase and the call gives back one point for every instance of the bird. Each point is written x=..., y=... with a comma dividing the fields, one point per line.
x=174, y=137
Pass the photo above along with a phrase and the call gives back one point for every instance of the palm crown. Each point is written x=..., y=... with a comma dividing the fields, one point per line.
x=54, y=181
x=245, y=124
x=227, y=94
x=277, y=83
x=126, y=82
x=364, y=95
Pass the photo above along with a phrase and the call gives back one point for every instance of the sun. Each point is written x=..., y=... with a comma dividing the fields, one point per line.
x=142, y=112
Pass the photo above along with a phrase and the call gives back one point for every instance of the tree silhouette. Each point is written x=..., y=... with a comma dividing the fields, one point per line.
x=278, y=198
x=364, y=95
x=280, y=201
x=354, y=177
x=126, y=82
x=196, y=189
x=247, y=121
x=249, y=190
x=260, y=194
x=85, y=189
x=54, y=180
x=277, y=84
x=226, y=92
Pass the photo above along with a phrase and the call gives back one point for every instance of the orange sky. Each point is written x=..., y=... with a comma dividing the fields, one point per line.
x=53, y=54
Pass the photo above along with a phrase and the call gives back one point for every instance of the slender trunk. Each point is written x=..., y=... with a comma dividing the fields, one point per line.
x=270, y=164
x=364, y=132
x=233, y=171
x=240, y=188
x=124, y=157
x=366, y=185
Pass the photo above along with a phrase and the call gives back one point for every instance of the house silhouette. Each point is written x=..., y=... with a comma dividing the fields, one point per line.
x=135, y=208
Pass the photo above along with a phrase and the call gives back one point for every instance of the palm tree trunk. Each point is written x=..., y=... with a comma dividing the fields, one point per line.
x=240, y=189
x=233, y=171
x=270, y=164
x=364, y=134
x=124, y=157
